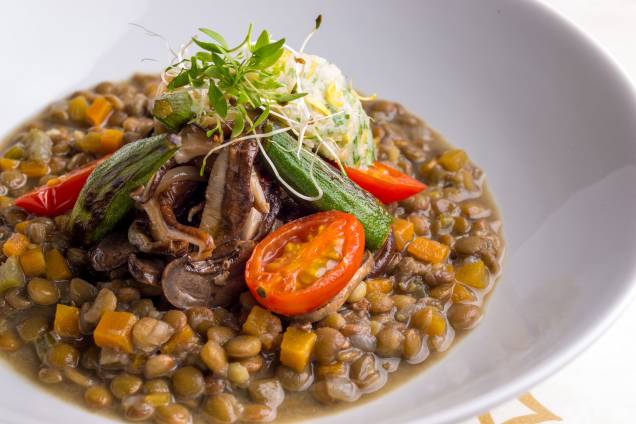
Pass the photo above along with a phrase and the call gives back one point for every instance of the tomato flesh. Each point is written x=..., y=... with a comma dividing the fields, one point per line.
x=58, y=195
x=384, y=182
x=303, y=264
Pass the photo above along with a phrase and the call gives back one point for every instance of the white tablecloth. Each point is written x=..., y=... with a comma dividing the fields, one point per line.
x=599, y=387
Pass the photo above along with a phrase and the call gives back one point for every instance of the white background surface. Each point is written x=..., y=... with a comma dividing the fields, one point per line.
x=597, y=387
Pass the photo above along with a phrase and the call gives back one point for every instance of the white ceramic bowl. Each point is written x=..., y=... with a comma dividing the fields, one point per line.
x=542, y=109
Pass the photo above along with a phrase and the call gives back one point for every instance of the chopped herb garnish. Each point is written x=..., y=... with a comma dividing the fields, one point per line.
x=238, y=79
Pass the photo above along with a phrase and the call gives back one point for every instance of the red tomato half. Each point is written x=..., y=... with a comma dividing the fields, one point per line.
x=386, y=183
x=58, y=195
x=305, y=263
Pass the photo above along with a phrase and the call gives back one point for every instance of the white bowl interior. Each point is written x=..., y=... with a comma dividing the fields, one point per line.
x=538, y=106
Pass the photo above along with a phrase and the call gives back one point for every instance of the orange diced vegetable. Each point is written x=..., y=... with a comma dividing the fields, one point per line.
x=8, y=164
x=56, y=267
x=428, y=250
x=403, y=231
x=379, y=285
x=21, y=227
x=474, y=274
x=33, y=263
x=114, y=331
x=66, y=322
x=90, y=143
x=34, y=168
x=461, y=294
x=77, y=107
x=111, y=140
x=181, y=341
x=98, y=111
x=257, y=321
x=15, y=245
x=6, y=201
x=430, y=321
x=453, y=160
x=296, y=348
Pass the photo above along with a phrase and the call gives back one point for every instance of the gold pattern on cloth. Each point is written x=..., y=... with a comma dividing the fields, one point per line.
x=541, y=414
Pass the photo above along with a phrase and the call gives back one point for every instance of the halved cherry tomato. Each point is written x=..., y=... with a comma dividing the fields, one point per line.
x=58, y=195
x=303, y=264
x=386, y=183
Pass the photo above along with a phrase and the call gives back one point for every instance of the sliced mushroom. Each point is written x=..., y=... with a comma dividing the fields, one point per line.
x=194, y=143
x=168, y=201
x=339, y=300
x=212, y=216
x=251, y=224
x=186, y=289
x=146, y=271
x=384, y=256
x=274, y=201
x=228, y=259
x=237, y=202
x=111, y=252
x=260, y=200
x=178, y=173
x=138, y=236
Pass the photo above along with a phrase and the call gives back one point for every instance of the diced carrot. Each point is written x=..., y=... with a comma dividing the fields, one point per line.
x=461, y=293
x=114, y=331
x=403, y=231
x=33, y=263
x=34, y=168
x=56, y=267
x=8, y=164
x=379, y=285
x=473, y=274
x=21, y=227
x=256, y=322
x=428, y=250
x=90, y=143
x=111, y=140
x=429, y=320
x=98, y=111
x=77, y=107
x=296, y=348
x=6, y=201
x=66, y=322
x=182, y=341
x=15, y=245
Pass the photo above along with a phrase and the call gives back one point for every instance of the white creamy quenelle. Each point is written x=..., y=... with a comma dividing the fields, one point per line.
x=332, y=108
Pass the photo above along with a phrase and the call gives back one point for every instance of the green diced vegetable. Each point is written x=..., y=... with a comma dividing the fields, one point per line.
x=38, y=145
x=11, y=274
x=339, y=192
x=105, y=198
x=173, y=110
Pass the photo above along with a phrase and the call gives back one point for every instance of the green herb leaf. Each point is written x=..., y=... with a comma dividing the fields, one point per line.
x=269, y=49
x=207, y=46
x=215, y=36
x=284, y=98
x=263, y=40
x=239, y=124
x=261, y=118
x=180, y=80
x=217, y=100
x=268, y=61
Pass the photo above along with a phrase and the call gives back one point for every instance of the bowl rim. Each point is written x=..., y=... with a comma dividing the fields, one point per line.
x=540, y=372
x=561, y=358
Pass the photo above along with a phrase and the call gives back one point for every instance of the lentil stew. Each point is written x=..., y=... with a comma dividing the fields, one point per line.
x=161, y=265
